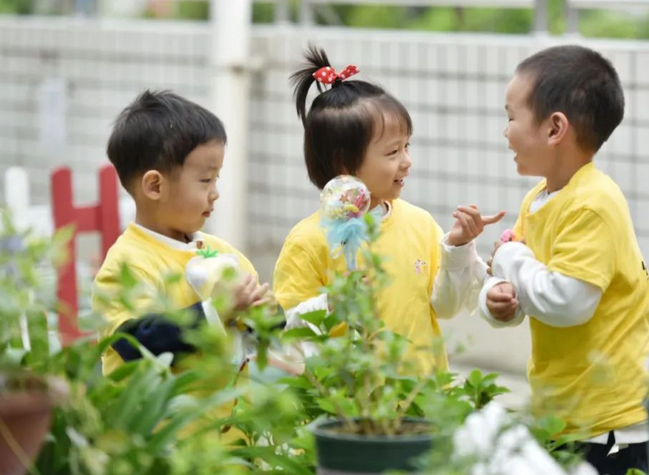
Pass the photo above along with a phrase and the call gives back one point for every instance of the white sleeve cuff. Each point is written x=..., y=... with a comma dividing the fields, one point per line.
x=550, y=297
x=457, y=257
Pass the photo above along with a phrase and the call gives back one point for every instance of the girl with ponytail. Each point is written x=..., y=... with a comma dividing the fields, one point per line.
x=356, y=128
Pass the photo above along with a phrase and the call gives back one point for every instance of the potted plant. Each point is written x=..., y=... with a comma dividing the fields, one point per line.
x=375, y=418
x=27, y=392
x=130, y=420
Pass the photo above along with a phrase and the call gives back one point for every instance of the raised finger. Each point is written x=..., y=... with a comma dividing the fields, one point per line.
x=494, y=218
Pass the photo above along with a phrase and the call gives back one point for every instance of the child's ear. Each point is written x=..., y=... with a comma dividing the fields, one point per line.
x=558, y=126
x=151, y=184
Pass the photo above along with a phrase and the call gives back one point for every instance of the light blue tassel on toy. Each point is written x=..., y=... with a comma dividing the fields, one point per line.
x=346, y=236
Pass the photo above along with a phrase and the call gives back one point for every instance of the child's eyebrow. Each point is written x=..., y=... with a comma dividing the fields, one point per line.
x=395, y=142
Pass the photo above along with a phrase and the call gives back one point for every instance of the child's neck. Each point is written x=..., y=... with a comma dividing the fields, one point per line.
x=374, y=204
x=152, y=225
x=565, y=168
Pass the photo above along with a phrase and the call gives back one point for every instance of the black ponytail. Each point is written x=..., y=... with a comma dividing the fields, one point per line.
x=302, y=80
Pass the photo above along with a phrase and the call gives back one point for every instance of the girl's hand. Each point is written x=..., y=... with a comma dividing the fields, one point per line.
x=469, y=224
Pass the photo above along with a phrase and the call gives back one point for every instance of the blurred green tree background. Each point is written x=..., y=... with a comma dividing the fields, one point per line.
x=592, y=23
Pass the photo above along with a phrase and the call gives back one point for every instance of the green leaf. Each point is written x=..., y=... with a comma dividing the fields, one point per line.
x=126, y=277
x=553, y=425
x=124, y=371
x=13, y=356
x=168, y=433
x=154, y=410
x=269, y=455
x=489, y=379
x=316, y=317
x=327, y=406
x=299, y=383
x=298, y=334
x=207, y=253
x=475, y=378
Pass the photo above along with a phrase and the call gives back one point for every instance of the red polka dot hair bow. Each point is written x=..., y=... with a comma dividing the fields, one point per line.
x=328, y=75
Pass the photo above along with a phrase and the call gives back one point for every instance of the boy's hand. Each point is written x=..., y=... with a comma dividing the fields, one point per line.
x=469, y=224
x=248, y=293
x=267, y=299
x=501, y=302
x=497, y=244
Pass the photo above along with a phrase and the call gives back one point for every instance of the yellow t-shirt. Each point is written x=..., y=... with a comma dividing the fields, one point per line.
x=592, y=375
x=409, y=240
x=150, y=260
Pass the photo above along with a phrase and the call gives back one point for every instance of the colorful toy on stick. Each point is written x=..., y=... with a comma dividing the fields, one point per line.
x=344, y=201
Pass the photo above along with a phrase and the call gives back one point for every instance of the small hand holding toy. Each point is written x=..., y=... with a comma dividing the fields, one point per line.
x=218, y=276
x=344, y=201
x=211, y=269
x=506, y=236
x=501, y=299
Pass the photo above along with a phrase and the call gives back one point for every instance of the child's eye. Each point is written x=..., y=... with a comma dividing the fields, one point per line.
x=206, y=180
x=407, y=145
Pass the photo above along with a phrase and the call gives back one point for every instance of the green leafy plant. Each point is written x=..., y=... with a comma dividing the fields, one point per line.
x=361, y=375
x=146, y=417
x=480, y=389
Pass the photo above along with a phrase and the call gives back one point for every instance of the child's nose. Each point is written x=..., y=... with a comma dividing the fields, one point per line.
x=506, y=132
x=214, y=195
x=407, y=161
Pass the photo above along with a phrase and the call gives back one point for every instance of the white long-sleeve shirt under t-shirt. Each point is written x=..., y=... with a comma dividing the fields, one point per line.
x=553, y=298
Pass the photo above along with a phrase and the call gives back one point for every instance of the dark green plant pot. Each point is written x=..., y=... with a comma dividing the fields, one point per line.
x=346, y=454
